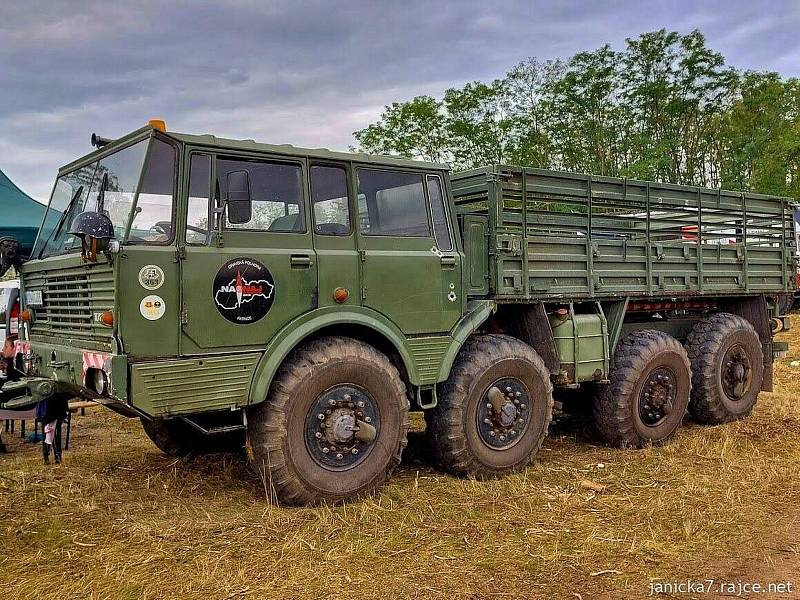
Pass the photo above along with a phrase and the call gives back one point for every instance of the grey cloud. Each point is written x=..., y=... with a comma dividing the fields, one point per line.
x=308, y=73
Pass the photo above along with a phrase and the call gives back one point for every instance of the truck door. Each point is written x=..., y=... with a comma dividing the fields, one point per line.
x=409, y=273
x=241, y=287
x=334, y=235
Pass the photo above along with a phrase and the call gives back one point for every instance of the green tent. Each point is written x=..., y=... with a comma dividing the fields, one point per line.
x=20, y=215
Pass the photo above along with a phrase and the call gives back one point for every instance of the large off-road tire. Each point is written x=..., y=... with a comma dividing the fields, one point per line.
x=648, y=393
x=334, y=425
x=727, y=368
x=494, y=410
x=176, y=438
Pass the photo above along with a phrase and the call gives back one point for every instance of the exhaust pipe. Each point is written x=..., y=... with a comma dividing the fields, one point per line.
x=99, y=142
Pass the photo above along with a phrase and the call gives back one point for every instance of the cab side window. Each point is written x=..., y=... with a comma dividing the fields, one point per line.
x=392, y=203
x=441, y=229
x=276, y=192
x=198, y=216
x=329, y=200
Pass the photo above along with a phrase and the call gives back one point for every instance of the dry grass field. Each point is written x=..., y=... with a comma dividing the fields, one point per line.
x=119, y=520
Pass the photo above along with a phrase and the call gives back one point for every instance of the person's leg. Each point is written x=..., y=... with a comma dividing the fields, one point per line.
x=47, y=442
x=57, y=440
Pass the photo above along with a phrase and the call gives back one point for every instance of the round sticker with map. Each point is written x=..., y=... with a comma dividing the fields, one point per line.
x=243, y=290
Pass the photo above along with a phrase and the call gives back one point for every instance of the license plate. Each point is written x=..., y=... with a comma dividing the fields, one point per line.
x=33, y=298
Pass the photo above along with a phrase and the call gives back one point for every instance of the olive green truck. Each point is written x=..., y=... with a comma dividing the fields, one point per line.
x=299, y=303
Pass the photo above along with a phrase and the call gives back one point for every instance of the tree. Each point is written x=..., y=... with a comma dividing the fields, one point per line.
x=413, y=129
x=665, y=108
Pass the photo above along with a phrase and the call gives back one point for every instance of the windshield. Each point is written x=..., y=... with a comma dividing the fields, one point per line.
x=80, y=191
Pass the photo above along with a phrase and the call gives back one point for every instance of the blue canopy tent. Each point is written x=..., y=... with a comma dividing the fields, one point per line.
x=20, y=215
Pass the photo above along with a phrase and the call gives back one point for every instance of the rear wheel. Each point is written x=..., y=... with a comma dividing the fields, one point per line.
x=334, y=425
x=494, y=411
x=648, y=392
x=177, y=438
x=727, y=368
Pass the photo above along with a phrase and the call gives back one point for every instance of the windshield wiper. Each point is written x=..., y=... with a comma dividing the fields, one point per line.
x=101, y=195
x=67, y=211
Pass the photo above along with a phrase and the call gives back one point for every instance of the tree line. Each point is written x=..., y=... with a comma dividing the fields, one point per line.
x=665, y=108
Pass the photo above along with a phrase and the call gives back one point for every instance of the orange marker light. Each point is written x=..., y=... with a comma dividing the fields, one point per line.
x=158, y=124
x=26, y=315
x=107, y=318
x=340, y=294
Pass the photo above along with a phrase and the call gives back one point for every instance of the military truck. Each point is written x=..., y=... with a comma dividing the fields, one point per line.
x=301, y=302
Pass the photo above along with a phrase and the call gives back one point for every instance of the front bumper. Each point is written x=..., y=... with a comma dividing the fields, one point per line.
x=53, y=369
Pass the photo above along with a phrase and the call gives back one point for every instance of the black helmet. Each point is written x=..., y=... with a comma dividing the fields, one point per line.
x=95, y=231
x=92, y=224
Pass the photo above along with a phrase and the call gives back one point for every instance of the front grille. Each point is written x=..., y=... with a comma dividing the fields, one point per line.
x=71, y=298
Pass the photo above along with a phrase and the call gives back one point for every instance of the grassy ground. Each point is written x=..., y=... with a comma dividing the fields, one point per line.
x=119, y=520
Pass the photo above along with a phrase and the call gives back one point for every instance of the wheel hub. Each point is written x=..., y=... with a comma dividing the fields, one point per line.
x=657, y=397
x=503, y=413
x=737, y=372
x=341, y=427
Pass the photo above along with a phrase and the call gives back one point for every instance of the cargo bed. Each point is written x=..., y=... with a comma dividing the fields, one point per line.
x=537, y=234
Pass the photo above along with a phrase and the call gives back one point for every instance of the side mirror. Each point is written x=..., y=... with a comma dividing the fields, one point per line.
x=237, y=198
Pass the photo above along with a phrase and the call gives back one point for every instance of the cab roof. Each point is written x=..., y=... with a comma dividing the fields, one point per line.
x=219, y=143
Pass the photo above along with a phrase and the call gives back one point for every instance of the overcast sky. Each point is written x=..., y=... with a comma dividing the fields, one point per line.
x=306, y=73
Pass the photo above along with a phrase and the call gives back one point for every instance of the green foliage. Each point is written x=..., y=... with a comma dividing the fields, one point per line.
x=665, y=108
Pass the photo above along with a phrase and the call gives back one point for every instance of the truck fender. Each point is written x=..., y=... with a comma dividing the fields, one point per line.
x=477, y=313
x=300, y=329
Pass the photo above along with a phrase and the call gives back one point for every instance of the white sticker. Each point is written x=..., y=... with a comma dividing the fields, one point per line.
x=151, y=277
x=152, y=307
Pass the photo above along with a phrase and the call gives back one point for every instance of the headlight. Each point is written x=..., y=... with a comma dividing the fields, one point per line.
x=99, y=382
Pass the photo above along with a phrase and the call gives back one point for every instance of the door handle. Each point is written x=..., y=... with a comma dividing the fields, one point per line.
x=300, y=261
x=448, y=262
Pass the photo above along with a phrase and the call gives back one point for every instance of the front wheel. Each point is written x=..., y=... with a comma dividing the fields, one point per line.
x=177, y=438
x=334, y=425
x=494, y=410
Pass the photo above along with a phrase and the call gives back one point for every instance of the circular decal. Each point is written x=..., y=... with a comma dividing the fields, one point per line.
x=151, y=277
x=243, y=290
x=152, y=307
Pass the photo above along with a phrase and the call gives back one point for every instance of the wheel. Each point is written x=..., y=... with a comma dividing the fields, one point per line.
x=494, y=410
x=176, y=438
x=334, y=425
x=727, y=368
x=648, y=393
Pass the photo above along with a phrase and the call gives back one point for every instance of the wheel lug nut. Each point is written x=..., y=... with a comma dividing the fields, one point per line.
x=339, y=456
x=518, y=394
x=318, y=435
x=360, y=404
x=321, y=417
x=325, y=450
x=516, y=402
x=502, y=438
x=508, y=389
x=327, y=412
x=488, y=405
x=368, y=419
x=354, y=451
x=487, y=421
x=492, y=433
x=347, y=397
x=523, y=406
x=332, y=402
